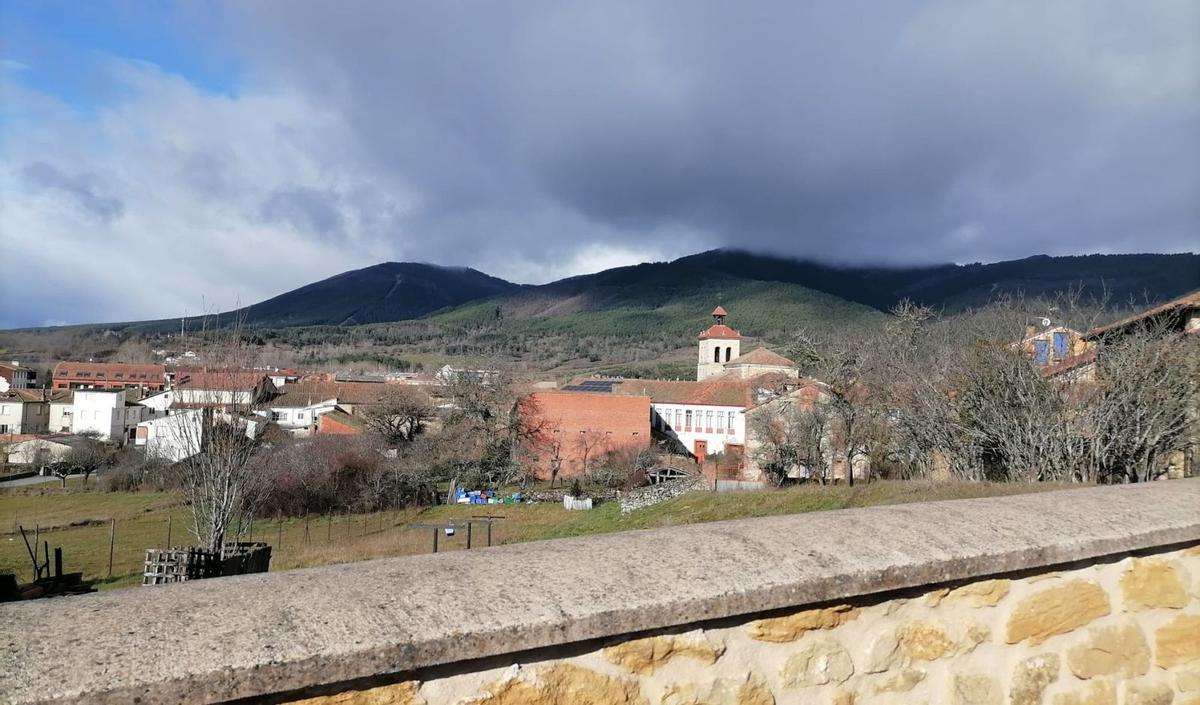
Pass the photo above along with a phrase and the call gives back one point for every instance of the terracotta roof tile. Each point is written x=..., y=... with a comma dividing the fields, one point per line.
x=761, y=356
x=720, y=330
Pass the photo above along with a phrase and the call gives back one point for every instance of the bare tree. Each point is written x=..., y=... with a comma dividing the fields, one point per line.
x=791, y=439
x=400, y=415
x=215, y=433
x=848, y=370
x=589, y=444
x=84, y=458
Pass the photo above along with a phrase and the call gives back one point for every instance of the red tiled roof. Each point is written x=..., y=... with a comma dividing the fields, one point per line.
x=720, y=330
x=1184, y=302
x=108, y=371
x=219, y=379
x=714, y=392
x=762, y=356
x=304, y=393
x=719, y=311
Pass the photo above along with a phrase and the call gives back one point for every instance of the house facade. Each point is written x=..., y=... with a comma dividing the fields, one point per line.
x=221, y=388
x=106, y=413
x=24, y=411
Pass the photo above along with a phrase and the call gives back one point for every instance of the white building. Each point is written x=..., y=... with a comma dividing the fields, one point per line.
x=106, y=413
x=62, y=410
x=24, y=411
x=171, y=438
x=41, y=452
x=182, y=433
x=221, y=387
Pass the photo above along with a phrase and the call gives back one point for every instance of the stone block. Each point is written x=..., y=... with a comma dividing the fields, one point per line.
x=818, y=663
x=794, y=626
x=925, y=641
x=645, y=656
x=1147, y=693
x=563, y=683
x=1057, y=610
x=975, y=689
x=1119, y=650
x=1178, y=642
x=751, y=690
x=1031, y=677
x=1097, y=692
x=1154, y=582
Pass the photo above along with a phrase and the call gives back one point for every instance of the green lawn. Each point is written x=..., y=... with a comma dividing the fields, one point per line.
x=80, y=521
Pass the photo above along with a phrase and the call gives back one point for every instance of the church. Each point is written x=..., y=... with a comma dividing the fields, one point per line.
x=721, y=354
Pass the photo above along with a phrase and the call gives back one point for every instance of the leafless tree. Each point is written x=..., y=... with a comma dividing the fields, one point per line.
x=791, y=438
x=589, y=444
x=401, y=414
x=217, y=433
x=848, y=368
x=84, y=458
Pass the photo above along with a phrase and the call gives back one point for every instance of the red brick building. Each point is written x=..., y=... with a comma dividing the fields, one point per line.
x=108, y=375
x=577, y=426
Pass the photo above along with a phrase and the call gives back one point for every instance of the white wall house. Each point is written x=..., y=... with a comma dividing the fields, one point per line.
x=171, y=438
x=294, y=415
x=24, y=411
x=62, y=411
x=106, y=413
x=158, y=403
x=714, y=425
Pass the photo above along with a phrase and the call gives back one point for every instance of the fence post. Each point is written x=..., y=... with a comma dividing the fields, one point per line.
x=169, y=517
x=328, y=528
x=112, y=539
x=469, y=525
x=306, y=539
x=279, y=538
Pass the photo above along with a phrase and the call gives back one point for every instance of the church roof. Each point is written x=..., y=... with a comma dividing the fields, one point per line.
x=719, y=311
x=720, y=330
x=762, y=356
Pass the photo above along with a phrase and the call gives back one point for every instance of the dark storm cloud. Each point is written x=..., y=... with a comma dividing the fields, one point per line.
x=851, y=131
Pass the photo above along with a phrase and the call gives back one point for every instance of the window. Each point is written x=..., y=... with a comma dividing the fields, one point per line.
x=678, y=418
x=708, y=419
x=687, y=423
x=4, y=409
x=728, y=353
x=731, y=422
x=1060, y=345
x=716, y=354
x=720, y=421
x=1041, y=352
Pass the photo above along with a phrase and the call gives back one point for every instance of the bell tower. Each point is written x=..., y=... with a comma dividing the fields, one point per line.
x=718, y=345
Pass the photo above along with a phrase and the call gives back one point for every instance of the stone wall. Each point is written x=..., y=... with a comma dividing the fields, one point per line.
x=1070, y=597
x=651, y=495
x=1121, y=631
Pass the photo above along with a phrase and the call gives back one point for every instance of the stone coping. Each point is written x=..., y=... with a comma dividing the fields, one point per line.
x=254, y=635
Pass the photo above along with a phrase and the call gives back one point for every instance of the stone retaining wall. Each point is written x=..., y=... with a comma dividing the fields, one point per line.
x=651, y=495
x=1073, y=597
x=1115, y=631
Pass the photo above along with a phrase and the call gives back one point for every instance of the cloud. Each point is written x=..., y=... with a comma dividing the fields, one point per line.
x=543, y=139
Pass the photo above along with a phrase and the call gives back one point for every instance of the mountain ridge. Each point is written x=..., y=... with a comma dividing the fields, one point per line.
x=405, y=291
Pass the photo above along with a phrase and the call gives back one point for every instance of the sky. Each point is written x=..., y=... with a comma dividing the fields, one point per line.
x=160, y=159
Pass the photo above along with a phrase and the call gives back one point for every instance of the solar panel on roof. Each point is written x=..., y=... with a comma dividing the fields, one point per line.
x=590, y=386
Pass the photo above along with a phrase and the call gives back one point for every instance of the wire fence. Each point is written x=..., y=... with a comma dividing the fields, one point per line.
x=296, y=542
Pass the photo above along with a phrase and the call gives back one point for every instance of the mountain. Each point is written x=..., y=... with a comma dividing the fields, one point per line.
x=1142, y=278
x=392, y=291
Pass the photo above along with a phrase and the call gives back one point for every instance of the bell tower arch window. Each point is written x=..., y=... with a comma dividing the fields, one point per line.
x=716, y=354
x=728, y=353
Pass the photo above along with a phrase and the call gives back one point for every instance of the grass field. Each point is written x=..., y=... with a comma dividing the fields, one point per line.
x=80, y=522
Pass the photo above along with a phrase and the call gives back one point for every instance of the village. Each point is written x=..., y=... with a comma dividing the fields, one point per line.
x=704, y=427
